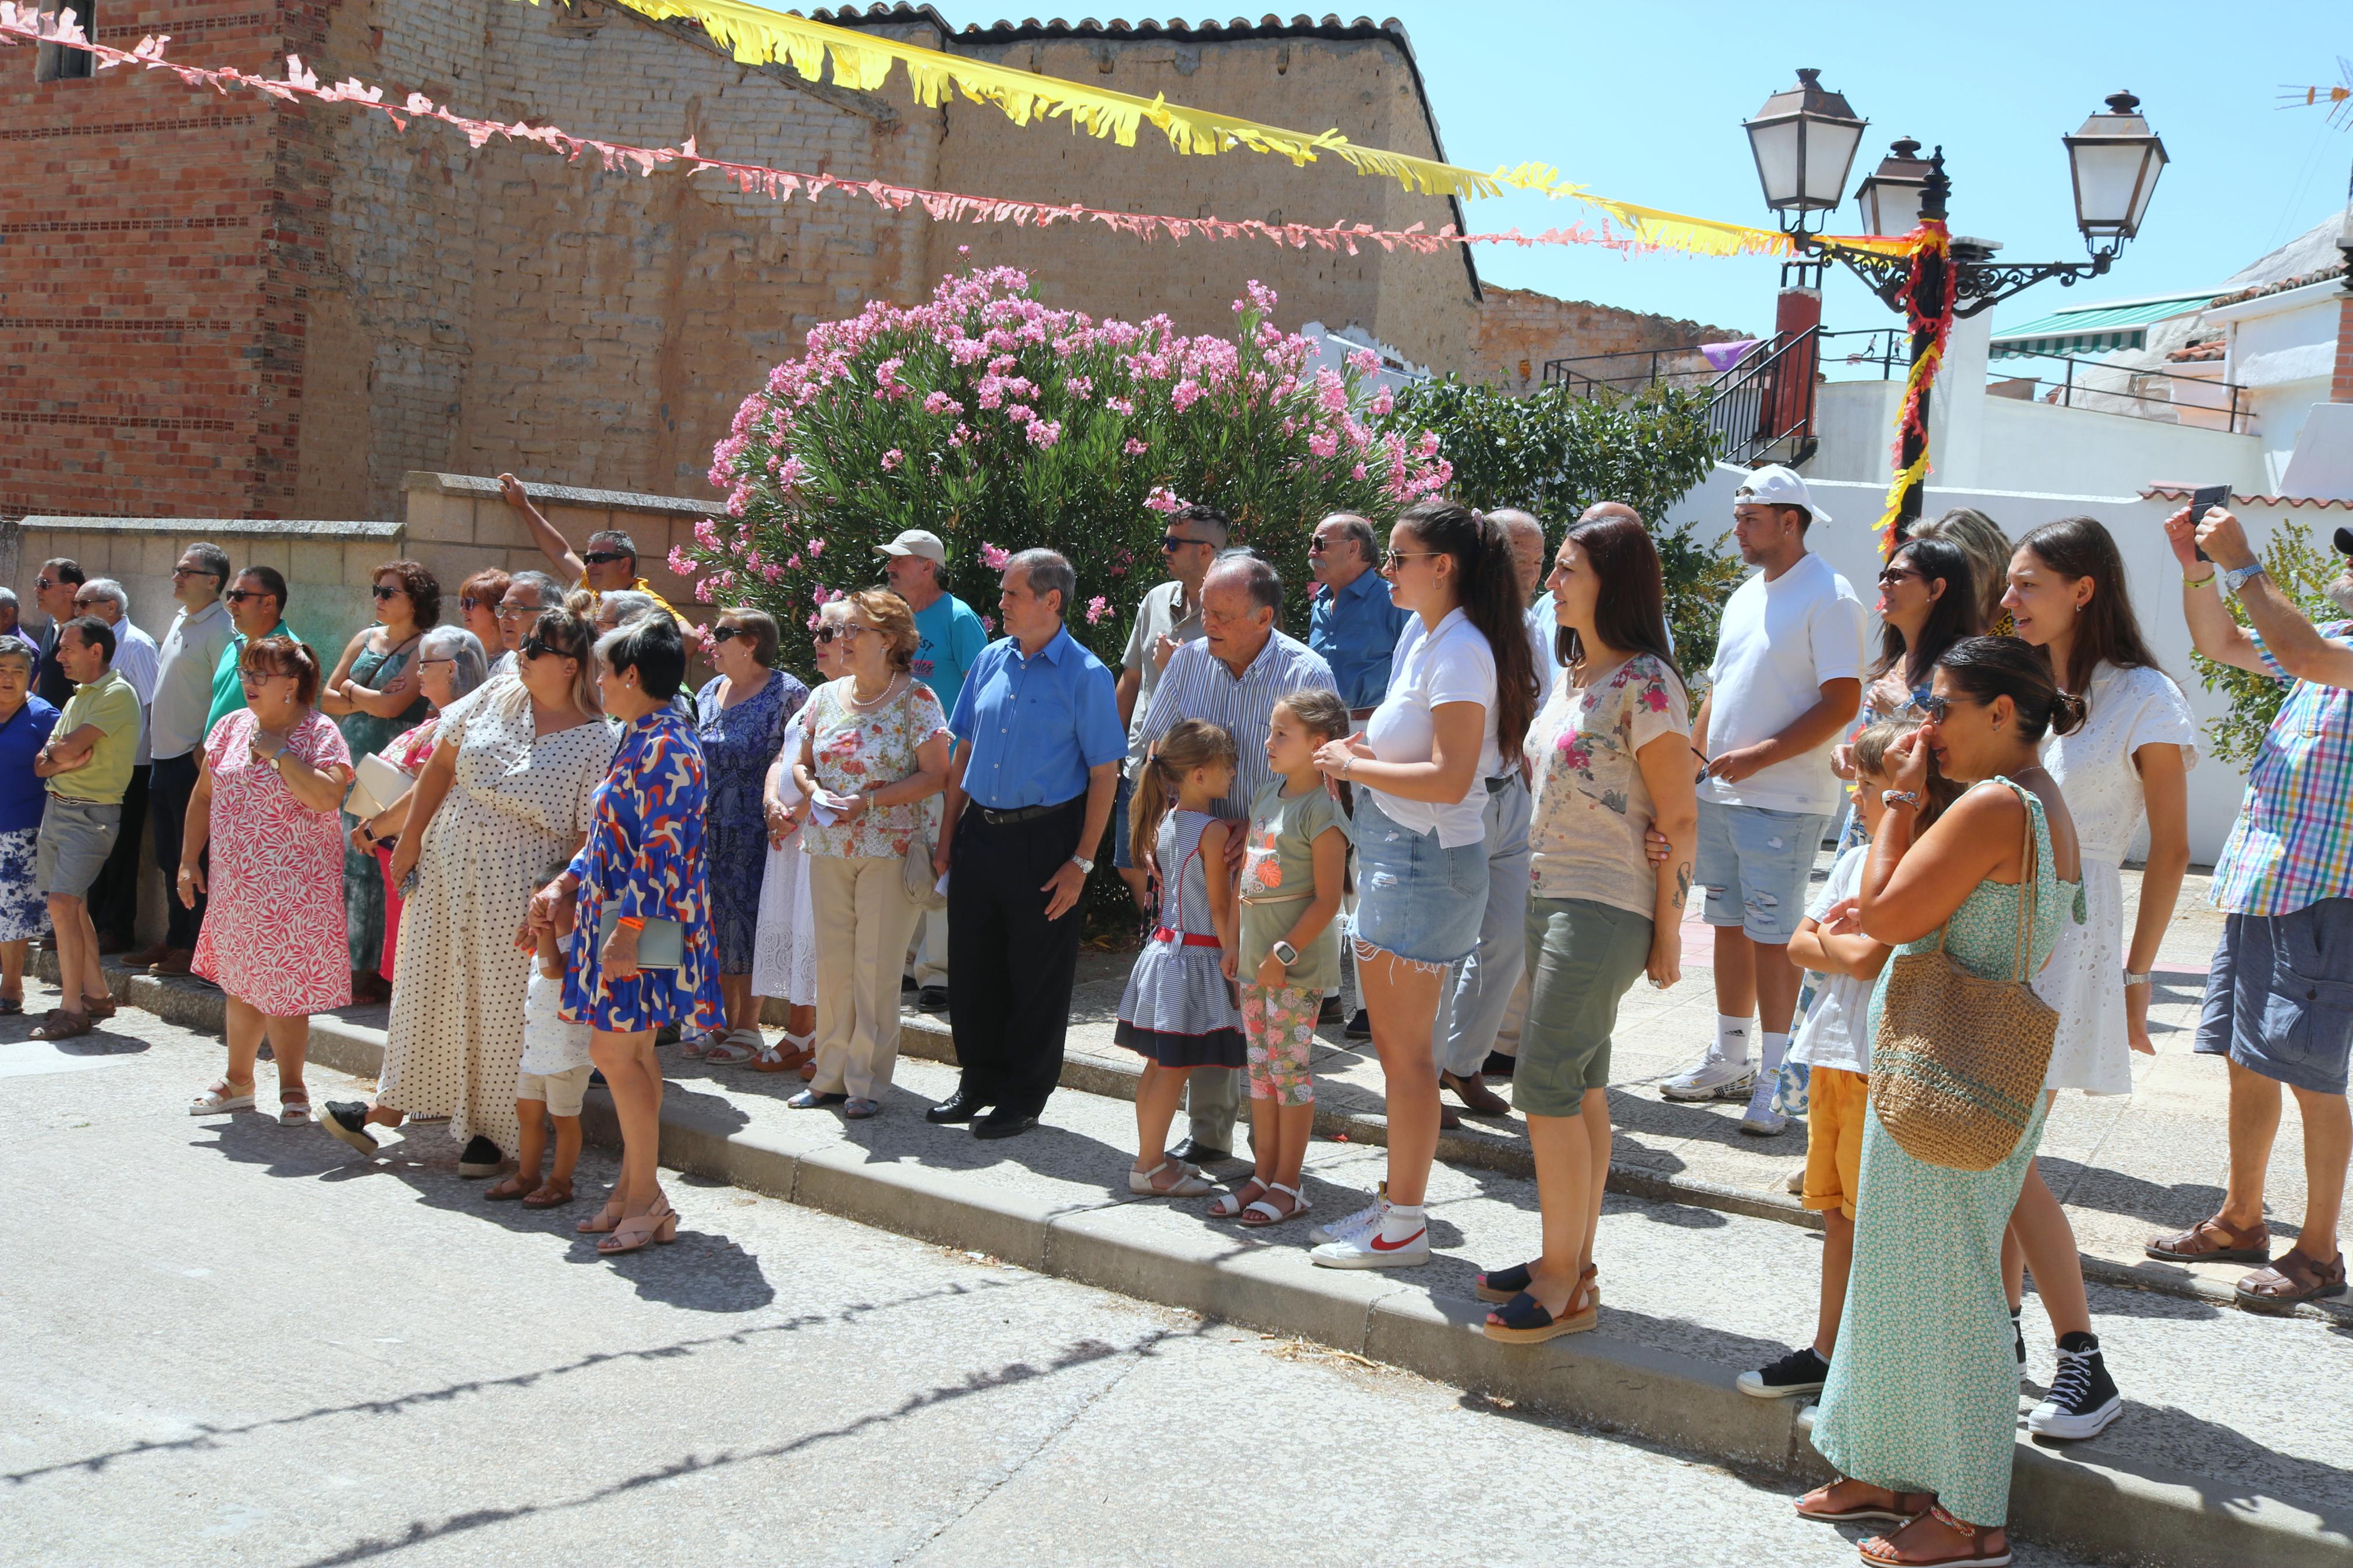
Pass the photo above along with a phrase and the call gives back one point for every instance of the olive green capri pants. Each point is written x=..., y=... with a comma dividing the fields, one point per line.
x=1582, y=958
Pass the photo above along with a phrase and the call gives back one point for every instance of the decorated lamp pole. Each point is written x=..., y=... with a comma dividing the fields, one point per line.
x=2114, y=159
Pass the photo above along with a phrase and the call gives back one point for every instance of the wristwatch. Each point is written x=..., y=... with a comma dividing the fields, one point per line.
x=2232, y=580
x=1286, y=953
x=2132, y=979
x=1086, y=866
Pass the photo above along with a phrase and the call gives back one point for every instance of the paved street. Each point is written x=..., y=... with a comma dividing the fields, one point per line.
x=262, y=1353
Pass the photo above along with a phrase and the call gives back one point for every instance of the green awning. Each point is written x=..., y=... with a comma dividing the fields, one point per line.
x=2094, y=329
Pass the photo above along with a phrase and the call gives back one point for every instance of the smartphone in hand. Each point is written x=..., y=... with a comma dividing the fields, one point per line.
x=2203, y=500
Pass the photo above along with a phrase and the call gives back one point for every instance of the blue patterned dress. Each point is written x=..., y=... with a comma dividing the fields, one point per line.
x=1923, y=1389
x=739, y=743
x=645, y=857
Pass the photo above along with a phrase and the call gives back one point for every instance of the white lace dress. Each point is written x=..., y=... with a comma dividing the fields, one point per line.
x=2084, y=982
x=784, y=945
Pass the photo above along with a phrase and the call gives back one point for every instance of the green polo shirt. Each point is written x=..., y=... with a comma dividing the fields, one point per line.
x=110, y=704
x=228, y=690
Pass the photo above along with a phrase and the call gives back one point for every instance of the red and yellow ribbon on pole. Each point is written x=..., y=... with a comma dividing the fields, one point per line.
x=1931, y=247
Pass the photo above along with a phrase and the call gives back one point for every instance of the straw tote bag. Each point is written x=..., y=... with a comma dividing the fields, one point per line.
x=1960, y=1060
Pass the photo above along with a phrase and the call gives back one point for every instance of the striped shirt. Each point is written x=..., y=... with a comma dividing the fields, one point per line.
x=2292, y=844
x=1197, y=685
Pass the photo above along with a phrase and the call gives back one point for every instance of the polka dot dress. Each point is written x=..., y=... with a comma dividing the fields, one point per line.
x=518, y=806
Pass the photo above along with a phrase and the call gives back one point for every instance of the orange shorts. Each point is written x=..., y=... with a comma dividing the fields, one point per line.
x=1835, y=1103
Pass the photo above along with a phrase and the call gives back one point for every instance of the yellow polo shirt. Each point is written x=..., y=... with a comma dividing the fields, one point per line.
x=640, y=586
x=110, y=703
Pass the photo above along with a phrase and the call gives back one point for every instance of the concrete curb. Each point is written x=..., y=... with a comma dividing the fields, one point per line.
x=2136, y=1513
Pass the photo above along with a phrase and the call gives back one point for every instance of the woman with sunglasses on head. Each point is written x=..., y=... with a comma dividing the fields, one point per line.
x=641, y=865
x=373, y=696
x=2128, y=763
x=450, y=664
x=1461, y=692
x=272, y=776
x=504, y=799
x=743, y=714
x=1920, y=1411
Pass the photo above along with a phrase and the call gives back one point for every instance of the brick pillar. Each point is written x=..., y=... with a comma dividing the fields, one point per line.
x=2340, y=386
x=1788, y=402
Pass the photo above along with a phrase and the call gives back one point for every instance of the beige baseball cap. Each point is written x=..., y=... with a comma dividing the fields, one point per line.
x=915, y=541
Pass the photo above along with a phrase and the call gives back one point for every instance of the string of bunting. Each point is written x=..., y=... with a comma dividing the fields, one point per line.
x=1911, y=419
x=24, y=23
x=862, y=62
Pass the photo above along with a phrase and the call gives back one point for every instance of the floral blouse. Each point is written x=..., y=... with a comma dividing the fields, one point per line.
x=851, y=748
x=1592, y=805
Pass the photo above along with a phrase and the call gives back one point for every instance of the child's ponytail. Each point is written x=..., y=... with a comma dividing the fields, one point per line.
x=1192, y=743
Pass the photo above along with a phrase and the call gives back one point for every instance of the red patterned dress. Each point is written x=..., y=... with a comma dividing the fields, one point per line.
x=274, y=935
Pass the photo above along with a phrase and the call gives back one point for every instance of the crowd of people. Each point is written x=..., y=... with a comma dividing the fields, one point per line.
x=1481, y=785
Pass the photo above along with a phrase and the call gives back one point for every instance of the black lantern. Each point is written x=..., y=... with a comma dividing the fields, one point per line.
x=1890, y=195
x=2115, y=159
x=1804, y=139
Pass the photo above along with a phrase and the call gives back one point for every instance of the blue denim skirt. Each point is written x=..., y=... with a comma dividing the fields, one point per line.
x=1415, y=897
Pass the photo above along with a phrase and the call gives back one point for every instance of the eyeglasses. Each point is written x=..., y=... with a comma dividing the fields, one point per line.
x=516, y=612
x=850, y=630
x=1895, y=574
x=599, y=557
x=1933, y=708
x=383, y=593
x=253, y=682
x=87, y=603
x=725, y=634
x=180, y=571
x=423, y=662
x=239, y=595
x=1391, y=557
x=1171, y=542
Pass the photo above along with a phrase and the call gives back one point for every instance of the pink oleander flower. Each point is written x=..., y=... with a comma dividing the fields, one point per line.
x=680, y=562
x=1384, y=402
x=1133, y=447
x=994, y=558
x=1323, y=443
x=941, y=402
x=892, y=459
x=706, y=533
x=1364, y=362
x=1331, y=392
x=1021, y=414
x=815, y=548
x=1045, y=433
x=1163, y=499
x=1185, y=394
x=1097, y=608
x=1121, y=406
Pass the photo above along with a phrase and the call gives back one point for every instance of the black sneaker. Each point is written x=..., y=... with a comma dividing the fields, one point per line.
x=1360, y=1028
x=1799, y=1372
x=2082, y=1401
x=481, y=1158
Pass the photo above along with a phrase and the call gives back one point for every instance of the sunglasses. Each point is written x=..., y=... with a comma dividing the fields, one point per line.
x=725, y=634
x=1171, y=542
x=43, y=583
x=533, y=647
x=1895, y=574
x=467, y=602
x=239, y=595
x=1933, y=708
x=1320, y=546
x=599, y=557
x=825, y=634
x=1391, y=557
x=383, y=593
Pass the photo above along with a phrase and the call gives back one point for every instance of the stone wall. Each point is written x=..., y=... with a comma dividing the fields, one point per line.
x=1518, y=330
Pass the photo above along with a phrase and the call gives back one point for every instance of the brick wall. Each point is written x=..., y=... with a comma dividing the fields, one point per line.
x=2340, y=384
x=1518, y=330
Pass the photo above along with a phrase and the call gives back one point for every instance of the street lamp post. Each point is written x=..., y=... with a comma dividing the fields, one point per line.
x=1804, y=141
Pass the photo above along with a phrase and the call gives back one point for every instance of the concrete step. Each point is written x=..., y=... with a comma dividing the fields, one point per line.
x=2233, y=1450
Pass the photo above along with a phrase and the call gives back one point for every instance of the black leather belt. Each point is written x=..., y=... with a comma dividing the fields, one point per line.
x=997, y=818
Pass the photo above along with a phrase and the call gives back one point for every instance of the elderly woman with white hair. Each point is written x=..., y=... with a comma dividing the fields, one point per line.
x=450, y=663
x=24, y=724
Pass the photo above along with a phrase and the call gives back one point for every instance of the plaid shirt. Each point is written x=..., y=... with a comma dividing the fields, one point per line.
x=2292, y=844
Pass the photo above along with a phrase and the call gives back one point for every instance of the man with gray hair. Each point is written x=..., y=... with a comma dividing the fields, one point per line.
x=1038, y=751
x=1232, y=676
x=608, y=565
x=9, y=626
x=528, y=592
x=114, y=896
x=1352, y=623
x=185, y=663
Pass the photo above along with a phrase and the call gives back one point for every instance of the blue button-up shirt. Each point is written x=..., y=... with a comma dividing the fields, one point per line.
x=1032, y=727
x=1357, y=630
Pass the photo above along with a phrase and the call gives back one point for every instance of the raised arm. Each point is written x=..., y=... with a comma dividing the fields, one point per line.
x=550, y=543
x=2294, y=642
x=1910, y=889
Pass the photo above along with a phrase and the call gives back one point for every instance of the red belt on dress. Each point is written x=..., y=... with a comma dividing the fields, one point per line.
x=1190, y=938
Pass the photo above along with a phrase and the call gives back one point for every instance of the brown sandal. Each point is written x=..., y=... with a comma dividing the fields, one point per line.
x=1902, y=1508
x=514, y=1187
x=61, y=1025
x=1881, y=1551
x=2294, y=1277
x=101, y=1008
x=2212, y=1241
x=554, y=1193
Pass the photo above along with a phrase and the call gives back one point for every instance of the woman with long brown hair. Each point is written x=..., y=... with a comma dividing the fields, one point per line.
x=1611, y=753
x=1462, y=692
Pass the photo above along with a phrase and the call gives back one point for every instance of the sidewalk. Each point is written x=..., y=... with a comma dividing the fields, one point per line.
x=2233, y=1449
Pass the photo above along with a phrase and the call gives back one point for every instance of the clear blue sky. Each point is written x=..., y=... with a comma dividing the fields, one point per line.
x=1644, y=102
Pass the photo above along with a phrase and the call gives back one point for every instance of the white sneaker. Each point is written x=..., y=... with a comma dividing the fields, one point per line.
x=1761, y=1119
x=1711, y=1078
x=1363, y=1220
x=1366, y=1250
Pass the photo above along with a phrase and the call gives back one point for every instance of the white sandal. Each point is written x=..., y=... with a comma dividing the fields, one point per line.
x=219, y=1097
x=735, y=1047
x=1299, y=1205
x=293, y=1108
x=1228, y=1205
x=1191, y=1183
x=699, y=1046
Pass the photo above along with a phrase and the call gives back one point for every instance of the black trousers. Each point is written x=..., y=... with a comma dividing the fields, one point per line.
x=173, y=781
x=1009, y=987
x=114, y=896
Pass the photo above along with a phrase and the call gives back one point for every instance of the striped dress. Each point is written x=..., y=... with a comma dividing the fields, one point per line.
x=1179, y=1008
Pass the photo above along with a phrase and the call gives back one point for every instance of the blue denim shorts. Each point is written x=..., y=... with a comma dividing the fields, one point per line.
x=1415, y=897
x=2279, y=1000
x=1755, y=865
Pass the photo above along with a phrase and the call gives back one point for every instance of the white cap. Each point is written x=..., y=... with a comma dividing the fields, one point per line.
x=915, y=541
x=1774, y=485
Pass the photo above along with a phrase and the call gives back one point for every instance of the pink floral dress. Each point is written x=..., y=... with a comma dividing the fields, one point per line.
x=273, y=936
x=851, y=748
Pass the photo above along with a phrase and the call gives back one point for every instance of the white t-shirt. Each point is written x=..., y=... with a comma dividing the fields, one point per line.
x=1452, y=664
x=1781, y=642
x=1831, y=1034
x=550, y=1045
